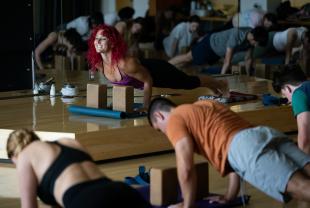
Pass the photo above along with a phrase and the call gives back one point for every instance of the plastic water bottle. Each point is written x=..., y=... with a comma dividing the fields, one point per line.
x=35, y=90
x=52, y=91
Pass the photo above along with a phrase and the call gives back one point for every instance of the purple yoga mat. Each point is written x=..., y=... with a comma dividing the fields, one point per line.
x=145, y=192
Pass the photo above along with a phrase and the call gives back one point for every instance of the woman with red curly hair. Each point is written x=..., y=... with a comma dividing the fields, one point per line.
x=108, y=53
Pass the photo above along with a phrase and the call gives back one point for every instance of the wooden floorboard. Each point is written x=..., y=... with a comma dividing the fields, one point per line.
x=9, y=197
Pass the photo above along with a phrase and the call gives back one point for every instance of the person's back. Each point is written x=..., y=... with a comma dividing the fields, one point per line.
x=181, y=37
x=85, y=24
x=231, y=38
x=181, y=34
x=282, y=39
x=76, y=172
x=80, y=24
x=211, y=125
x=63, y=174
x=249, y=18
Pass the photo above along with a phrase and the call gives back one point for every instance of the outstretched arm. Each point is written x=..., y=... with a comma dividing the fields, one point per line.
x=291, y=38
x=173, y=47
x=181, y=59
x=232, y=190
x=248, y=59
x=303, y=123
x=50, y=40
x=227, y=60
x=186, y=171
x=133, y=68
x=233, y=186
x=27, y=183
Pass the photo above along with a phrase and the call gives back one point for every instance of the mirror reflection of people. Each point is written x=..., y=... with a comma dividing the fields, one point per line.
x=68, y=42
x=181, y=36
x=293, y=40
x=63, y=174
x=164, y=23
x=85, y=24
x=224, y=44
x=131, y=31
x=108, y=54
x=251, y=18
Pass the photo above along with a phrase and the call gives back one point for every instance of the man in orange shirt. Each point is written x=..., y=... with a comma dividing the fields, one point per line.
x=234, y=148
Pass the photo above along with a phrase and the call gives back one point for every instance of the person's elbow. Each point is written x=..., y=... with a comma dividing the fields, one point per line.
x=148, y=83
x=37, y=53
x=186, y=174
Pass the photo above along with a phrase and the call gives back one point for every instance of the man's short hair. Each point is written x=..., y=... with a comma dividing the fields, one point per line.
x=159, y=104
x=260, y=35
x=96, y=18
x=126, y=13
x=290, y=74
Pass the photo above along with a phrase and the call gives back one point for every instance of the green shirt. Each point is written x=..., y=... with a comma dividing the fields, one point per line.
x=300, y=101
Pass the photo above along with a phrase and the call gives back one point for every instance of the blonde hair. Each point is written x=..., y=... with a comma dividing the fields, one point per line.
x=18, y=140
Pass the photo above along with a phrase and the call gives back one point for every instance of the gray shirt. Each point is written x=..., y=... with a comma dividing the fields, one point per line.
x=234, y=38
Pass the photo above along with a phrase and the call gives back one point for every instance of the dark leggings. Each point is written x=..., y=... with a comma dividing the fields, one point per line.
x=166, y=75
x=103, y=193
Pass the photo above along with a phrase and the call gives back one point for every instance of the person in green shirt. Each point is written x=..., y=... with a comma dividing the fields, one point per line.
x=292, y=83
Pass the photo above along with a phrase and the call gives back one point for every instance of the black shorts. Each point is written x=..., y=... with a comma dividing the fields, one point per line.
x=103, y=193
x=202, y=52
x=166, y=75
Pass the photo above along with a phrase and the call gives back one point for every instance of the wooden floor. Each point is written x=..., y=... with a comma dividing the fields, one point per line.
x=9, y=196
x=104, y=137
x=39, y=113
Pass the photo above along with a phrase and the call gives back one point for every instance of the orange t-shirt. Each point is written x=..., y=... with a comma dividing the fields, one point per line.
x=212, y=127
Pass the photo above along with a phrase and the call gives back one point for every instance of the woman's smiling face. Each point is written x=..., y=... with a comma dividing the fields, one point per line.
x=101, y=42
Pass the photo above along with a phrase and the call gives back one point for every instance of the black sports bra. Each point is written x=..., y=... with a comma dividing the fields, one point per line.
x=66, y=157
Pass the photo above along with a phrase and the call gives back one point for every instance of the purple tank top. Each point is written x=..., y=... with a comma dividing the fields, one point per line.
x=129, y=81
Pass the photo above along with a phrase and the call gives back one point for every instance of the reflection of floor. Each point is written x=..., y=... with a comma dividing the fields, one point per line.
x=114, y=138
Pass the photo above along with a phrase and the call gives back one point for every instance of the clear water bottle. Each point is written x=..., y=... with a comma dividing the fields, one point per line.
x=53, y=91
x=91, y=76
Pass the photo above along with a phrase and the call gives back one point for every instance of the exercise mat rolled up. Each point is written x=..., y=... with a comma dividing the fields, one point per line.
x=103, y=112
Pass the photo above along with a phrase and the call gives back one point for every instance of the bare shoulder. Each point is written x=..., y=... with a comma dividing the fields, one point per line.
x=130, y=64
x=31, y=148
x=53, y=36
x=121, y=27
x=121, y=24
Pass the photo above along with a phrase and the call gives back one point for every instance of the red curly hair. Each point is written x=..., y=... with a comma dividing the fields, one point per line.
x=117, y=44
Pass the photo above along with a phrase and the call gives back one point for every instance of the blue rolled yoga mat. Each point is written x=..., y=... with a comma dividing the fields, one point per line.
x=102, y=112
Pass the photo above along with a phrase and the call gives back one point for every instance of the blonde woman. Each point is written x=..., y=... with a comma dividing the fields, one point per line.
x=63, y=174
